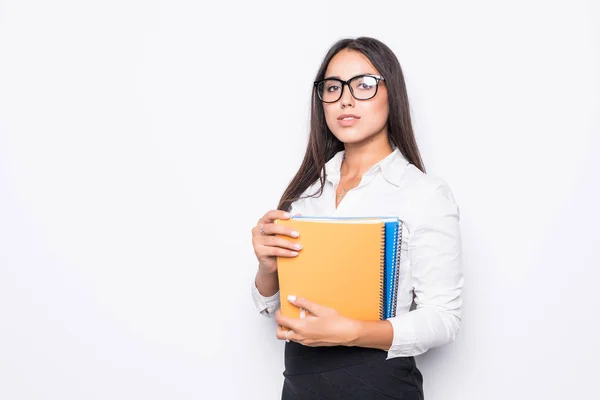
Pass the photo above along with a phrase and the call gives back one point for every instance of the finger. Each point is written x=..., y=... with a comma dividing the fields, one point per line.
x=256, y=230
x=280, y=318
x=313, y=308
x=270, y=251
x=290, y=323
x=275, y=229
x=276, y=241
x=284, y=335
x=272, y=215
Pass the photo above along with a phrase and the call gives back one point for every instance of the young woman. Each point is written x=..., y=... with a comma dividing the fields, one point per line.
x=362, y=160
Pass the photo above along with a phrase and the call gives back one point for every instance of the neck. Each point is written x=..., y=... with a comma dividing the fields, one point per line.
x=360, y=157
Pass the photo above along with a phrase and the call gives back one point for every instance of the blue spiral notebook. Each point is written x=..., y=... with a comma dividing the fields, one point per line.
x=393, y=241
x=393, y=244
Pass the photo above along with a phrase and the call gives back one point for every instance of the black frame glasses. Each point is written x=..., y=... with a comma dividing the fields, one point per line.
x=317, y=85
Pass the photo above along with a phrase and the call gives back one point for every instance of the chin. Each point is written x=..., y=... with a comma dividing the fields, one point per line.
x=350, y=136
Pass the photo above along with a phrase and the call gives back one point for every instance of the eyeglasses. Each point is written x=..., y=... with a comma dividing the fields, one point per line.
x=362, y=87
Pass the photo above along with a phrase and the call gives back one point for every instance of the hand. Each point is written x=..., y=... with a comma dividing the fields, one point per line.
x=323, y=327
x=267, y=246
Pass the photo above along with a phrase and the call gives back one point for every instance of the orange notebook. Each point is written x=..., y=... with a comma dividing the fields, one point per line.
x=341, y=265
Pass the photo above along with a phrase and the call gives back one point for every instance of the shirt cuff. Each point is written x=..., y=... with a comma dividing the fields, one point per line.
x=265, y=305
x=405, y=338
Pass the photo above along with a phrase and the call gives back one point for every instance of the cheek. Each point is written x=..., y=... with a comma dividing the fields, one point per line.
x=379, y=112
x=328, y=109
x=330, y=113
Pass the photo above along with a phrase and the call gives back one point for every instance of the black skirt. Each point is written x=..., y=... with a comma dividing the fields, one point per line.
x=342, y=372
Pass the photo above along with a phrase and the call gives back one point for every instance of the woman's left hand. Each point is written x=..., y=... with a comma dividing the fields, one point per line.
x=324, y=326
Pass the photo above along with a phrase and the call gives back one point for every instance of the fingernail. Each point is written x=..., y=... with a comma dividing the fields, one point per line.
x=302, y=313
x=291, y=298
x=286, y=215
x=295, y=234
x=298, y=246
x=294, y=253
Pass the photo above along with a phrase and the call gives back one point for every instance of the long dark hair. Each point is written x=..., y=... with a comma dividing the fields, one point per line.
x=323, y=145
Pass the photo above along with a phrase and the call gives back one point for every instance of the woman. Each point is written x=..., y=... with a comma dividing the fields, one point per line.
x=362, y=160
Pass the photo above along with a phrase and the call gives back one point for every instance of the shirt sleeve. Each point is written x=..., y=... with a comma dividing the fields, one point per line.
x=265, y=305
x=434, y=251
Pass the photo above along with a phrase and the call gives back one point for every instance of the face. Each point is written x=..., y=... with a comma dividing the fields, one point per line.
x=355, y=121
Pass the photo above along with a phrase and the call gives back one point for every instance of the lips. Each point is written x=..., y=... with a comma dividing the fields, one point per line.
x=346, y=120
x=348, y=117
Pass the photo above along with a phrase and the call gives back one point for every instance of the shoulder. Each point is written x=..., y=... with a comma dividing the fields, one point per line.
x=425, y=185
x=413, y=182
x=428, y=195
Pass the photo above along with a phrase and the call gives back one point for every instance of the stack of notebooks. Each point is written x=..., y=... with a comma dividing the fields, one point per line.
x=349, y=264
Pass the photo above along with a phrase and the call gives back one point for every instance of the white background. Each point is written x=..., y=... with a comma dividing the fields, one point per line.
x=141, y=140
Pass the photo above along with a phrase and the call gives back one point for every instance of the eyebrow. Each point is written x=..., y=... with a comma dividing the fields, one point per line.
x=363, y=73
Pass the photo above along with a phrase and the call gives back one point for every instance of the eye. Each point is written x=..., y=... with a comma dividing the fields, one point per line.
x=366, y=83
x=332, y=87
x=365, y=86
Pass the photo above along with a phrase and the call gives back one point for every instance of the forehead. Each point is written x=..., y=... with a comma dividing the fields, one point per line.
x=348, y=63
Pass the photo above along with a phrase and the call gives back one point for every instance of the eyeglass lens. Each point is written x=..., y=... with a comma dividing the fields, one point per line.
x=362, y=87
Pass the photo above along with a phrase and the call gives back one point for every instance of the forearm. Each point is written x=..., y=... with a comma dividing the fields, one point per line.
x=373, y=334
x=266, y=283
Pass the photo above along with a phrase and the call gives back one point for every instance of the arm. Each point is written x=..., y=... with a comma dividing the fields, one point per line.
x=266, y=283
x=436, y=262
x=374, y=334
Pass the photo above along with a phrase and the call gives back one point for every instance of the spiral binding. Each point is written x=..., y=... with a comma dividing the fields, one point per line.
x=391, y=279
x=382, y=274
x=397, y=269
x=390, y=289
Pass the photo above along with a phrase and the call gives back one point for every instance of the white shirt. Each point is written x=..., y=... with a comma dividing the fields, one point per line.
x=430, y=263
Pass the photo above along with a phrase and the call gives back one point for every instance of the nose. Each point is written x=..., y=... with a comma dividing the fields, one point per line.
x=347, y=100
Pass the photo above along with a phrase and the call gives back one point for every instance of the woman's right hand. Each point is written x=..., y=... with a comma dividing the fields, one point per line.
x=267, y=246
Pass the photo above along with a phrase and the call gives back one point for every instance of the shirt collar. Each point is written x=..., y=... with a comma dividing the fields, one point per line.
x=392, y=167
